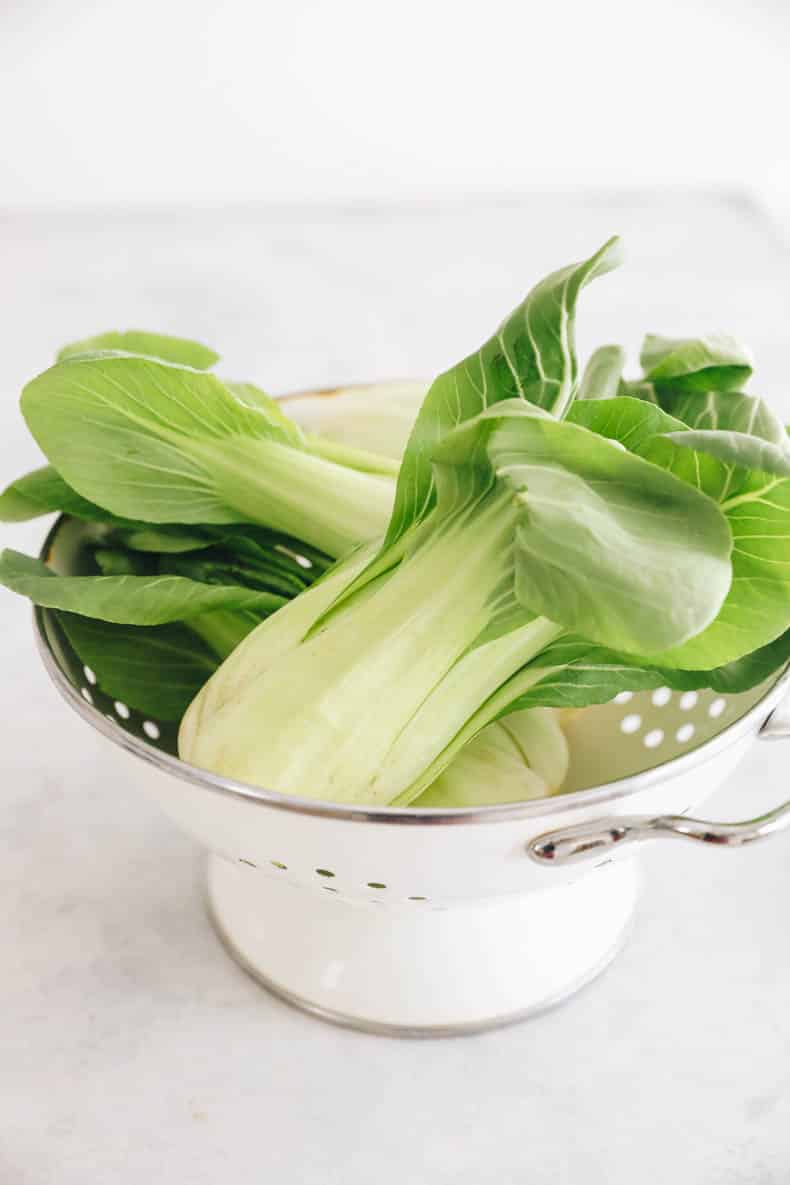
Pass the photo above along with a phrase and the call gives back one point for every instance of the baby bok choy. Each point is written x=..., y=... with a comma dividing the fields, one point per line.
x=539, y=528
x=551, y=544
x=152, y=440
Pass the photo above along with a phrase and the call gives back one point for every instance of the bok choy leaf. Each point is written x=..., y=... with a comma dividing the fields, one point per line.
x=157, y=670
x=169, y=444
x=531, y=356
x=45, y=492
x=714, y=363
x=151, y=345
x=128, y=599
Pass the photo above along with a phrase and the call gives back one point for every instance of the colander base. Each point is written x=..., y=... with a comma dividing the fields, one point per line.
x=457, y=969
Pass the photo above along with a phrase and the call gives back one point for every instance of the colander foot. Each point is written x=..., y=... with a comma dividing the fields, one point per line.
x=427, y=972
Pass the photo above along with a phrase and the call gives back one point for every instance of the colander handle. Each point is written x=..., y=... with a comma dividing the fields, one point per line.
x=570, y=845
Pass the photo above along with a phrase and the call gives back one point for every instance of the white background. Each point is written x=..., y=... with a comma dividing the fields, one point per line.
x=329, y=192
x=103, y=101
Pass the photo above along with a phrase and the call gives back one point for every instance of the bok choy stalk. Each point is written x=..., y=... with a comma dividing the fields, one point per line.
x=521, y=757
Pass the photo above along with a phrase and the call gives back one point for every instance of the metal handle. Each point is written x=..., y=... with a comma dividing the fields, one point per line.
x=569, y=845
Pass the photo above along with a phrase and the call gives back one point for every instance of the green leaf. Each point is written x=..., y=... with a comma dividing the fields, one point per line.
x=163, y=539
x=213, y=556
x=756, y=506
x=743, y=674
x=45, y=492
x=129, y=600
x=631, y=422
x=158, y=670
x=152, y=345
x=117, y=562
x=126, y=433
x=738, y=449
x=724, y=411
x=738, y=429
x=531, y=356
x=603, y=373
x=716, y=362
x=578, y=675
x=276, y=419
x=607, y=544
x=167, y=444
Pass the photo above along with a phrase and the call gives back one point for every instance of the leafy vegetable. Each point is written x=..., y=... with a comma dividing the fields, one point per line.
x=131, y=600
x=44, y=492
x=212, y=587
x=603, y=373
x=151, y=345
x=738, y=429
x=540, y=557
x=168, y=444
x=155, y=669
x=694, y=379
x=531, y=356
x=530, y=513
x=713, y=363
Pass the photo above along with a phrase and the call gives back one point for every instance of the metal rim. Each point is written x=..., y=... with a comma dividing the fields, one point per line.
x=451, y=816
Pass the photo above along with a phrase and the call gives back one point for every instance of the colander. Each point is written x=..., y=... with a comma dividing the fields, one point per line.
x=431, y=922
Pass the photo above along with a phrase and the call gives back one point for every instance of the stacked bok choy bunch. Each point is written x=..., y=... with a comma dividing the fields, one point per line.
x=546, y=543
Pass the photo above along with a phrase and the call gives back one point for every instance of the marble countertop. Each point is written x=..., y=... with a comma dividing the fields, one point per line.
x=131, y=1048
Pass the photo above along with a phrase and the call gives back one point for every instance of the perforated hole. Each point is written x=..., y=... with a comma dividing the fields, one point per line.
x=122, y=710
x=624, y=697
x=684, y=733
x=653, y=738
x=631, y=723
x=661, y=697
x=89, y=675
x=151, y=730
x=86, y=695
x=717, y=707
x=688, y=700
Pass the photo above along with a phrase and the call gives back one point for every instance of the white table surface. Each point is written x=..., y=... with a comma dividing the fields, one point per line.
x=131, y=1048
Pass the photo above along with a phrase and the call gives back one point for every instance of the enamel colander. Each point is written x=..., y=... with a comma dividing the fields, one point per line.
x=439, y=921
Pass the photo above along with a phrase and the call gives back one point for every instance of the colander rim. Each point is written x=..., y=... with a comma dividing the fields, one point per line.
x=413, y=816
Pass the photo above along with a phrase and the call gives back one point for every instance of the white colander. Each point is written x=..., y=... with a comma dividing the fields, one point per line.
x=439, y=921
